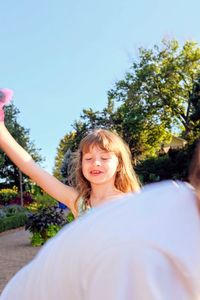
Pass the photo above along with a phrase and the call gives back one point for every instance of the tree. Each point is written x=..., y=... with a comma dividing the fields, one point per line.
x=8, y=171
x=65, y=166
x=65, y=143
x=154, y=95
x=194, y=120
x=107, y=118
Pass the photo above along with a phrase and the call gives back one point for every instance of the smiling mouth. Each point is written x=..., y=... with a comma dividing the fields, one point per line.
x=95, y=172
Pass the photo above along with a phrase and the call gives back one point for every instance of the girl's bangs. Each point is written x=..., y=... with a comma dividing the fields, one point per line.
x=99, y=141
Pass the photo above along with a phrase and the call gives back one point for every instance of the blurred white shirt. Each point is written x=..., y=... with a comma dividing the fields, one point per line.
x=144, y=246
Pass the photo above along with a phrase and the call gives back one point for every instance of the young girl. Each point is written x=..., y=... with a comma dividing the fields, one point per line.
x=103, y=167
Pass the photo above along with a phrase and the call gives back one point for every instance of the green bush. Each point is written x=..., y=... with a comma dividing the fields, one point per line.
x=52, y=230
x=38, y=240
x=13, y=221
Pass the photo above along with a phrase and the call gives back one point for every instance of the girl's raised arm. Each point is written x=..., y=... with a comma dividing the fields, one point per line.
x=27, y=165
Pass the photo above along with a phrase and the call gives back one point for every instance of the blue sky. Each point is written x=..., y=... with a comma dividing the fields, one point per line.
x=62, y=56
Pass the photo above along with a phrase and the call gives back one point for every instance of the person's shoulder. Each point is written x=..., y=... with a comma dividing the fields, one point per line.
x=168, y=188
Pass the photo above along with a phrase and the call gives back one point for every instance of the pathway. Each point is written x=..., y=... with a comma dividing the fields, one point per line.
x=15, y=252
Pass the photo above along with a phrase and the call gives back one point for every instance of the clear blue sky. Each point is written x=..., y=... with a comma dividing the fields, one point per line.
x=62, y=56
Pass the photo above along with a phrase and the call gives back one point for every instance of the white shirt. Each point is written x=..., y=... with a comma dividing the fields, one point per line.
x=144, y=246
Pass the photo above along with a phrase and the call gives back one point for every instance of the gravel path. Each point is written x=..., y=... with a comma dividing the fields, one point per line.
x=15, y=252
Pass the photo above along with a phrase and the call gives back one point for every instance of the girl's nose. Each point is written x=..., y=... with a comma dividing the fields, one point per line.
x=97, y=162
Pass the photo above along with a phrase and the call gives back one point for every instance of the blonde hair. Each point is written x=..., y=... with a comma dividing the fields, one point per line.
x=126, y=179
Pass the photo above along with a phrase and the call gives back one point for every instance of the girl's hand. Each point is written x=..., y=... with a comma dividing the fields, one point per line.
x=5, y=98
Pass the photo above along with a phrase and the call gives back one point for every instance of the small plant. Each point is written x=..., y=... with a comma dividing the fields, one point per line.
x=45, y=224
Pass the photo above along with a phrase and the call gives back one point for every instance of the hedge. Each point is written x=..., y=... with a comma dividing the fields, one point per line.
x=11, y=222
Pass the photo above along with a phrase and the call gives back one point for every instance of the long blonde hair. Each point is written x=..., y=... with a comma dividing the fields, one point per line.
x=126, y=179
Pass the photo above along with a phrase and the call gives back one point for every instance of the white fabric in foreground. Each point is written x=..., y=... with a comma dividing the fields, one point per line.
x=141, y=247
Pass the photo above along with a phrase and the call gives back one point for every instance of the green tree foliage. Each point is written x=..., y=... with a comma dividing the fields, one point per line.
x=155, y=93
x=107, y=118
x=194, y=121
x=9, y=173
x=66, y=143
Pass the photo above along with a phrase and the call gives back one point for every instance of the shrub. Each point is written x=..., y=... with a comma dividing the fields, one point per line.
x=14, y=221
x=45, y=224
x=27, y=199
x=11, y=196
x=173, y=165
x=38, y=240
x=6, y=195
x=2, y=213
x=13, y=209
x=12, y=216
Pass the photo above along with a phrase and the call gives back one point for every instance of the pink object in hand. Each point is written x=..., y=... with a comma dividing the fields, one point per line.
x=5, y=98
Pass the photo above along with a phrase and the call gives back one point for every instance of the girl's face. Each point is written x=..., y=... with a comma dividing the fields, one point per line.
x=99, y=166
